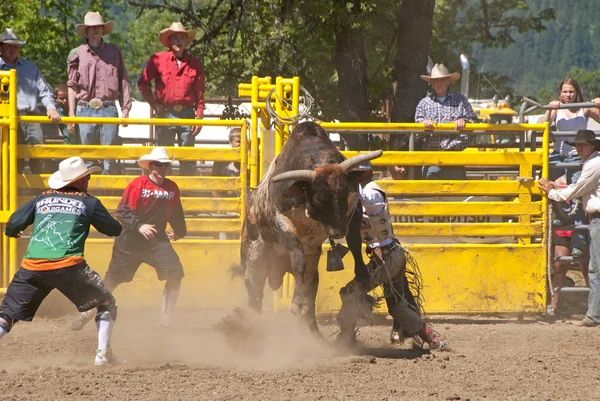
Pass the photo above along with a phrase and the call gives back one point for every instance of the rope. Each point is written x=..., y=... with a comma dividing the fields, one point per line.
x=302, y=112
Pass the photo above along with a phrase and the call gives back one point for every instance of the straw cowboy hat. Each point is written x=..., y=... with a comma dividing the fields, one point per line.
x=93, y=19
x=440, y=71
x=9, y=36
x=159, y=154
x=70, y=170
x=175, y=27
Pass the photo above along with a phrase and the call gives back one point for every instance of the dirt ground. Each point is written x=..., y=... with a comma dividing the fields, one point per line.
x=271, y=357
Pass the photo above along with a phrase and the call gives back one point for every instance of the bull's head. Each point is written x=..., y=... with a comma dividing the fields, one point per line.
x=329, y=192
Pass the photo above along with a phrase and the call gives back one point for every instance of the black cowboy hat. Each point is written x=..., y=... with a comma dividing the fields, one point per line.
x=585, y=136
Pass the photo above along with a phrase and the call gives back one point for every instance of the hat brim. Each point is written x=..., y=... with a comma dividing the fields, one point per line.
x=454, y=75
x=14, y=42
x=57, y=182
x=163, y=36
x=80, y=28
x=596, y=143
x=144, y=162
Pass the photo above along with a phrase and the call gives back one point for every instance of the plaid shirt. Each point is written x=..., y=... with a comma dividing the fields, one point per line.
x=454, y=107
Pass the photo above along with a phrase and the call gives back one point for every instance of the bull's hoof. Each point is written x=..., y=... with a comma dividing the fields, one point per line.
x=299, y=308
x=346, y=338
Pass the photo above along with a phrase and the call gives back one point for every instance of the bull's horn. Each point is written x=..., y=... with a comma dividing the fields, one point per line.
x=358, y=159
x=306, y=175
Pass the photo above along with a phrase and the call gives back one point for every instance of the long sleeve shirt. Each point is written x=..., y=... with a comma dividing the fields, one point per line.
x=61, y=223
x=31, y=86
x=144, y=202
x=454, y=107
x=99, y=75
x=587, y=187
x=174, y=83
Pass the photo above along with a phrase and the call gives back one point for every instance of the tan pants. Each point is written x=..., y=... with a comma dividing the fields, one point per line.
x=391, y=276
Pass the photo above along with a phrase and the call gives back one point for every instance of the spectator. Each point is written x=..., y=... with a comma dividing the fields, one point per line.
x=570, y=120
x=444, y=106
x=563, y=240
x=97, y=79
x=587, y=188
x=228, y=169
x=179, y=89
x=31, y=86
x=61, y=93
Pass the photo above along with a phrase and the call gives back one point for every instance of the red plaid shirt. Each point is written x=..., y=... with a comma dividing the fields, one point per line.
x=173, y=84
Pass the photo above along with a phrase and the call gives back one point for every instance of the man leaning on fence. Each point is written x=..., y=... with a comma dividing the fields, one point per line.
x=97, y=80
x=444, y=106
x=31, y=86
x=179, y=89
x=588, y=189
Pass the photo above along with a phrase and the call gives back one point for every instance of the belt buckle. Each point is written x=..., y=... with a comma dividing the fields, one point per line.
x=178, y=107
x=95, y=103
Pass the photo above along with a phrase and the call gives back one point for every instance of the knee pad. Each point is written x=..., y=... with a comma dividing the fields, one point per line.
x=106, y=312
x=9, y=322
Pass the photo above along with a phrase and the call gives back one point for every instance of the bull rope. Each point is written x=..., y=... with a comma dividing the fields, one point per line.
x=302, y=112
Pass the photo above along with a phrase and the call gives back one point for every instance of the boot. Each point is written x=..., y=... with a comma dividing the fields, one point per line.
x=431, y=338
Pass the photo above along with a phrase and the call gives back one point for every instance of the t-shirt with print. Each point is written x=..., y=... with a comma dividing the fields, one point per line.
x=145, y=202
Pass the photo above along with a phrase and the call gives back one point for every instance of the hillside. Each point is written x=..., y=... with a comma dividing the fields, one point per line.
x=542, y=60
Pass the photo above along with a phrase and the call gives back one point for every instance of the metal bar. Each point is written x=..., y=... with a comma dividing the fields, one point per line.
x=12, y=148
x=132, y=121
x=98, y=181
x=467, y=229
x=243, y=173
x=254, y=162
x=580, y=290
x=124, y=152
x=464, y=208
x=565, y=165
x=420, y=127
x=466, y=188
x=428, y=158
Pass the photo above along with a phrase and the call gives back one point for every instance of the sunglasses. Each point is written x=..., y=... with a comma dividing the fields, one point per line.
x=158, y=164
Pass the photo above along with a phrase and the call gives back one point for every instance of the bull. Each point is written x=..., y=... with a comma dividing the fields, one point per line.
x=309, y=194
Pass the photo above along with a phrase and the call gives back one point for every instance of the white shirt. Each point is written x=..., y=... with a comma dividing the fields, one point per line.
x=373, y=202
x=564, y=122
x=587, y=187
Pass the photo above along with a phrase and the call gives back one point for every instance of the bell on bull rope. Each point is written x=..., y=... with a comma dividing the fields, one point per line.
x=335, y=255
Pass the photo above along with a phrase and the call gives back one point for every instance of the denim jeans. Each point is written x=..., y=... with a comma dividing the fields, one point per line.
x=593, y=311
x=100, y=134
x=31, y=134
x=166, y=136
x=444, y=173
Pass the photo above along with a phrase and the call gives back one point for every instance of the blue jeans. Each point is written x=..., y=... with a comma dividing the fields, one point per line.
x=444, y=173
x=31, y=134
x=166, y=136
x=593, y=311
x=100, y=134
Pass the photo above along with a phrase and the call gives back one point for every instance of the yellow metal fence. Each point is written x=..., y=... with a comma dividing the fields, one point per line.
x=459, y=277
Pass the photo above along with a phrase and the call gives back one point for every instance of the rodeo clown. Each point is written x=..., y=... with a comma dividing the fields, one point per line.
x=61, y=219
x=148, y=203
x=387, y=267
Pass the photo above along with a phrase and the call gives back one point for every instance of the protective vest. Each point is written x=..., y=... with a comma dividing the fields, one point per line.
x=376, y=228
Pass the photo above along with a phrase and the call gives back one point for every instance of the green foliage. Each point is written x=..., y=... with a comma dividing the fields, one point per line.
x=537, y=62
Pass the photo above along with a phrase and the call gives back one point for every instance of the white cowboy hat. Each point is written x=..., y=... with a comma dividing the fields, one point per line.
x=70, y=170
x=93, y=19
x=440, y=71
x=9, y=36
x=175, y=27
x=158, y=154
